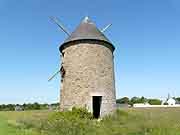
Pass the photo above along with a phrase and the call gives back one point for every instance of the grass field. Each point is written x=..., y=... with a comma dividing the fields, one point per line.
x=146, y=121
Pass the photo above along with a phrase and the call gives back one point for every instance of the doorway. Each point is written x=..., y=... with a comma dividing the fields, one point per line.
x=96, y=106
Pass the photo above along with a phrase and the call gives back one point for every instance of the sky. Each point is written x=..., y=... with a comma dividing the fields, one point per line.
x=145, y=33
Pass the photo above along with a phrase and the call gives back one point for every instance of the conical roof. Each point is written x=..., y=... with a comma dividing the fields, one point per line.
x=85, y=31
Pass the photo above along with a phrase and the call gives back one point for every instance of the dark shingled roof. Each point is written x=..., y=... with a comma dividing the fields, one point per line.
x=87, y=30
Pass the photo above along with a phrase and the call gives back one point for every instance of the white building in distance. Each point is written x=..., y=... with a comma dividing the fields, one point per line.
x=171, y=101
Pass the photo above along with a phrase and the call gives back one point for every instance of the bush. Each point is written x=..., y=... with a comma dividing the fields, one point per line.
x=75, y=122
x=80, y=113
x=154, y=102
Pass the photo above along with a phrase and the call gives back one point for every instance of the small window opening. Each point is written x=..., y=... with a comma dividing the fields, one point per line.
x=96, y=106
x=62, y=70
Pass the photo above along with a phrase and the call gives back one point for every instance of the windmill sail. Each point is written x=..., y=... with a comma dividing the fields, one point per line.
x=55, y=20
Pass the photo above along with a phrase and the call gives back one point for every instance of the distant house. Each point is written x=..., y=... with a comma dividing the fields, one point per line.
x=53, y=107
x=18, y=108
x=171, y=101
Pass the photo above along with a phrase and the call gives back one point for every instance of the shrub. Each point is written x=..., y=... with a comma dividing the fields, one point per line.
x=75, y=122
x=80, y=113
x=154, y=101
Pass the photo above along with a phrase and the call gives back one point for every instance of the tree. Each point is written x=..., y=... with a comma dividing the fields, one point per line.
x=36, y=106
x=124, y=100
x=135, y=100
x=178, y=99
x=143, y=99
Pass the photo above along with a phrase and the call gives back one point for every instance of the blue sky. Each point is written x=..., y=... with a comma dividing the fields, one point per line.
x=146, y=35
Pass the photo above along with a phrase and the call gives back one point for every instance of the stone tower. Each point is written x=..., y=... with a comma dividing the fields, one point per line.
x=87, y=71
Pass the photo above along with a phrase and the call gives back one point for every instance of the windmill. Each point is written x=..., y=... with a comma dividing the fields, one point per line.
x=87, y=69
x=62, y=27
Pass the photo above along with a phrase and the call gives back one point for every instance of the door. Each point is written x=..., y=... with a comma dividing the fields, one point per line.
x=96, y=106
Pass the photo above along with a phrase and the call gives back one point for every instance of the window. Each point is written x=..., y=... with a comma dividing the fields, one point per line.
x=62, y=73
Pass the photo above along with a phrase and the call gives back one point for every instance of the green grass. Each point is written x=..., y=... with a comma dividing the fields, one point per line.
x=5, y=128
x=10, y=122
x=142, y=121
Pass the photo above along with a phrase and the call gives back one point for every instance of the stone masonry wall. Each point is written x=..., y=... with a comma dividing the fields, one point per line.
x=89, y=71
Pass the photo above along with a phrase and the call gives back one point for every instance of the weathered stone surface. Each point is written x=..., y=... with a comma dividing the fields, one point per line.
x=89, y=71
